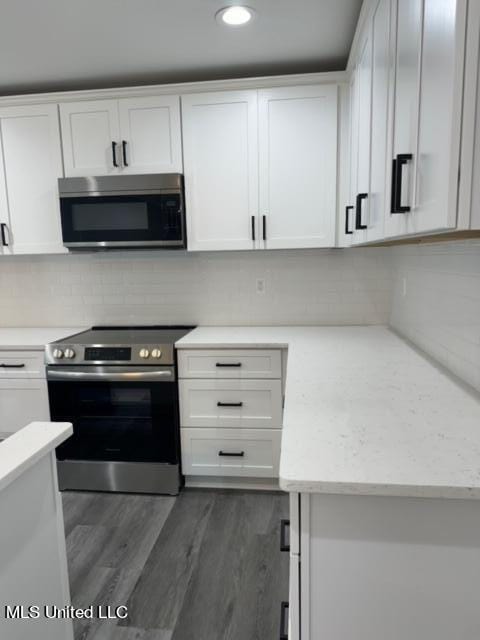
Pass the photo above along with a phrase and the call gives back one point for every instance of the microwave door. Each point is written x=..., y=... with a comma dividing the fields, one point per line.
x=122, y=221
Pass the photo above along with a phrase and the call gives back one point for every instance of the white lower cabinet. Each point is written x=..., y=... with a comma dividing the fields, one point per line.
x=23, y=390
x=231, y=452
x=231, y=422
x=376, y=567
x=22, y=402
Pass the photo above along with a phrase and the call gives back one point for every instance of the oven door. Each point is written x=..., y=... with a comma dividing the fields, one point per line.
x=117, y=221
x=117, y=414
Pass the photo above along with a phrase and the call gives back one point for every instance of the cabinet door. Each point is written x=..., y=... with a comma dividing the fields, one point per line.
x=90, y=133
x=22, y=402
x=364, y=97
x=439, y=129
x=380, y=119
x=32, y=158
x=298, y=166
x=5, y=248
x=408, y=36
x=150, y=135
x=221, y=170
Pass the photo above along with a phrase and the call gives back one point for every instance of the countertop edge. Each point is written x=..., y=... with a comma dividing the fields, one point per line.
x=24, y=448
x=379, y=490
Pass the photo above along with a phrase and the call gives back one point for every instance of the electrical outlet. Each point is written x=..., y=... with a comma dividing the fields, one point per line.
x=404, y=286
x=260, y=286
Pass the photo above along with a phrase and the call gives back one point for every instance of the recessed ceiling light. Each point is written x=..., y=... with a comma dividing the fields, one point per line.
x=235, y=16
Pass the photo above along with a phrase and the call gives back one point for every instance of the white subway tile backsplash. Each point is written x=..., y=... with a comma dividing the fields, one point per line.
x=440, y=311
x=301, y=287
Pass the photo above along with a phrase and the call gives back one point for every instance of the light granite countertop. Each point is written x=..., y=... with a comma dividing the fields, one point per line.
x=365, y=413
x=33, y=338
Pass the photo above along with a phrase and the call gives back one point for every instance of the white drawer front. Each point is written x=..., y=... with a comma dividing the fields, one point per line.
x=254, y=404
x=22, y=364
x=227, y=363
x=22, y=402
x=256, y=452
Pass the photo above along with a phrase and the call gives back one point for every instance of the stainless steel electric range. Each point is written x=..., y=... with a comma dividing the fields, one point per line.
x=118, y=387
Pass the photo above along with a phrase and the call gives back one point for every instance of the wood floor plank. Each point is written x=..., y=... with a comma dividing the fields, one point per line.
x=204, y=566
x=234, y=592
x=158, y=596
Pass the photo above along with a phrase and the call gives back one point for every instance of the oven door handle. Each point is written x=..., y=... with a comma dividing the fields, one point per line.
x=106, y=374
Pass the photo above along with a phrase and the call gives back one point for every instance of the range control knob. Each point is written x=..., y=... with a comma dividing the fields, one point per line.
x=144, y=353
x=57, y=354
x=69, y=353
x=156, y=353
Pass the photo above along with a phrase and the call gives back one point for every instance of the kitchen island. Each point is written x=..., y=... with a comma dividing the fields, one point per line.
x=377, y=442
x=33, y=566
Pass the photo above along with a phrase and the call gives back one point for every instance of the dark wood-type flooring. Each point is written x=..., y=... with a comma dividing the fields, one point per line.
x=203, y=566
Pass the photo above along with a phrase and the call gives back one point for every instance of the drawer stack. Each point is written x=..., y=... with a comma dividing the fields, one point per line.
x=230, y=412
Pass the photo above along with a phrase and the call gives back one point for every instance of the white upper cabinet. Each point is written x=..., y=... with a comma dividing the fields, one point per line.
x=91, y=134
x=298, y=166
x=150, y=135
x=131, y=135
x=439, y=128
x=363, y=90
x=261, y=168
x=428, y=85
x=380, y=112
x=32, y=163
x=221, y=170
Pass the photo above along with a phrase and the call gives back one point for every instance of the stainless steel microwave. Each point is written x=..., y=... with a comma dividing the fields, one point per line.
x=129, y=211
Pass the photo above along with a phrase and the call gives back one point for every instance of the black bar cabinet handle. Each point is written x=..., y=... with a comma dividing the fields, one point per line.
x=284, y=621
x=264, y=227
x=228, y=364
x=229, y=404
x=231, y=454
x=284, y=525
x=402, y=159
x=114, y=154
x=347, y=219
x=253, y=228
x=4, y=231
x=124, y=153
x=394, y=186
x=12, y=366
x=358, y=212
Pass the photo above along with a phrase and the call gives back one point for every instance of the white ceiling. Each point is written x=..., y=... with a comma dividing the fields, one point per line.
x=68, y=44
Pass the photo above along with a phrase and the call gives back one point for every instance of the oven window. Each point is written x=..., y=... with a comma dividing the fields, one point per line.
x=109, y=216
x=129, y=422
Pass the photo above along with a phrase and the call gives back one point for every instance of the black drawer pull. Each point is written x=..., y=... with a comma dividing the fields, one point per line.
x=284, y=621
x=253, y=228
x=124, y=153
x=358, y=213
x=264, y=227
x=231, y=454
x=284, y=525
x=229, y=404
x=12, y=366
x=347, y=220
x=4, y=231
x=114, y=154
x=402, y=159
x=228, y=364
x=393, y=195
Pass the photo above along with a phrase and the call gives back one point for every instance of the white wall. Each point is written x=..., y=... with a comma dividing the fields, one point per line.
x=440, y=311
x=302, y=287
